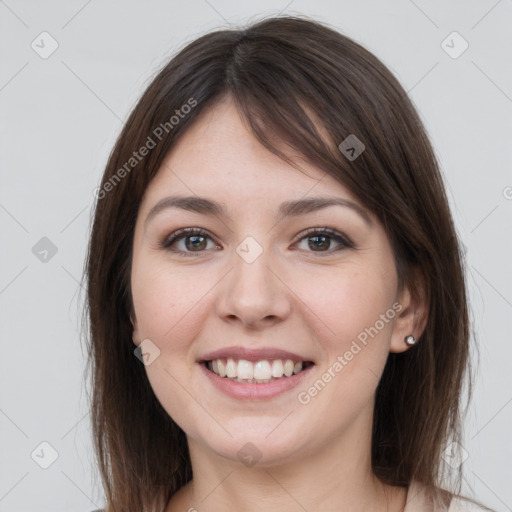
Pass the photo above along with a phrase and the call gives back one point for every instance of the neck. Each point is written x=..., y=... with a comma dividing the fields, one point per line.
x=334, y=475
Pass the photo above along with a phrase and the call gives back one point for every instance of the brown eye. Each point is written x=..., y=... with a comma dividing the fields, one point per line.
x=320, y=240
x=195, y=241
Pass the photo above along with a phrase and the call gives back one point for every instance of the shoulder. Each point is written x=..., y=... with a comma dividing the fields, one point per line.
x=466, y=505
x=420, y=500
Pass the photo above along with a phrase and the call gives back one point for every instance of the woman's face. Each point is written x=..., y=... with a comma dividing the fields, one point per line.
x=255, y=287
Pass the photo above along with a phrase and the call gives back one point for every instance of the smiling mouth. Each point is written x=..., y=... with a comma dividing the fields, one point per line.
x=260, y=372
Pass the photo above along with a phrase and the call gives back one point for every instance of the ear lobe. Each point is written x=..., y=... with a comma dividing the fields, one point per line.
x=413, y=316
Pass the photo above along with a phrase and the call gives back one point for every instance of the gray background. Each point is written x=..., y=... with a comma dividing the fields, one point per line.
x=59, y=119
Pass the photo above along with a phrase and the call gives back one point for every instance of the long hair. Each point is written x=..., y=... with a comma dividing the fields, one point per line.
x=299, y=84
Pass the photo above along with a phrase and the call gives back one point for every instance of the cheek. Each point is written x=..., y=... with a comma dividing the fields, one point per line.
x=354, y=337
x=346, y=301
x=167, y=303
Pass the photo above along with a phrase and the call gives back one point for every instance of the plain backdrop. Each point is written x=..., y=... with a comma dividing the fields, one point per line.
x=60, y=115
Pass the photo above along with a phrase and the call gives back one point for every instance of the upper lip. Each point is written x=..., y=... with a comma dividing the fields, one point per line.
x=253, y=355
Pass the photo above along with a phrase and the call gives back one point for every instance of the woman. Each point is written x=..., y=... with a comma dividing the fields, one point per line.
x=276, y=295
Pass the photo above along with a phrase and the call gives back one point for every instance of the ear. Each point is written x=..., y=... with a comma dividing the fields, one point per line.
x=413, y=315
x=135, y=335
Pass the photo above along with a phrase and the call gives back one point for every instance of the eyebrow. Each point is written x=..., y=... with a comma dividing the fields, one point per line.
x=293, y=208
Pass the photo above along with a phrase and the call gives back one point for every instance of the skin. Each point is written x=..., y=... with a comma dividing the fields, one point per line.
x=314, y=456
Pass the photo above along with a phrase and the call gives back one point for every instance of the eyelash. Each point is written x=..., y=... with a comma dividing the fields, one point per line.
x=186, y=232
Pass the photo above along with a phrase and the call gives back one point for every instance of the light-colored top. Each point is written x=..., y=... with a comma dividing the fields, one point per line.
x=417, y=501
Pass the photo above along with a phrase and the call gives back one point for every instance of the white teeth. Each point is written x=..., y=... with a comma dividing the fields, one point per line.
x=288, y=368
x=277, y=368
x=231, y=368
x=221, y=368
x=245, y=370
x=261, y=372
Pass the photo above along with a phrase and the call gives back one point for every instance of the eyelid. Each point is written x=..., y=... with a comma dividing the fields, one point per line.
x=333, y=233
x=183, y=233
x=178, y=235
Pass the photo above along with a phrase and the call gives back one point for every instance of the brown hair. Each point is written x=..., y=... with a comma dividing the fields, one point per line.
x=302, y=83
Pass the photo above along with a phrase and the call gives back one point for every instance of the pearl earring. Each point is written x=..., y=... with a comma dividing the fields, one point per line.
x=410, y=340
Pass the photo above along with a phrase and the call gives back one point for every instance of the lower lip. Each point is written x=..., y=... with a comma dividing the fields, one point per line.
x=253, y=391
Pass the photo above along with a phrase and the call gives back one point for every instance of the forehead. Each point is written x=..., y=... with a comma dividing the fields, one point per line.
x=218, y=156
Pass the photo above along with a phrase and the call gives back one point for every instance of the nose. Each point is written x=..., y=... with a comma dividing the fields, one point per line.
x=254, y=294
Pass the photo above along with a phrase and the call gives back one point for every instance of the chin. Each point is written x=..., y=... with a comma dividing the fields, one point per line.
x=252, y=444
